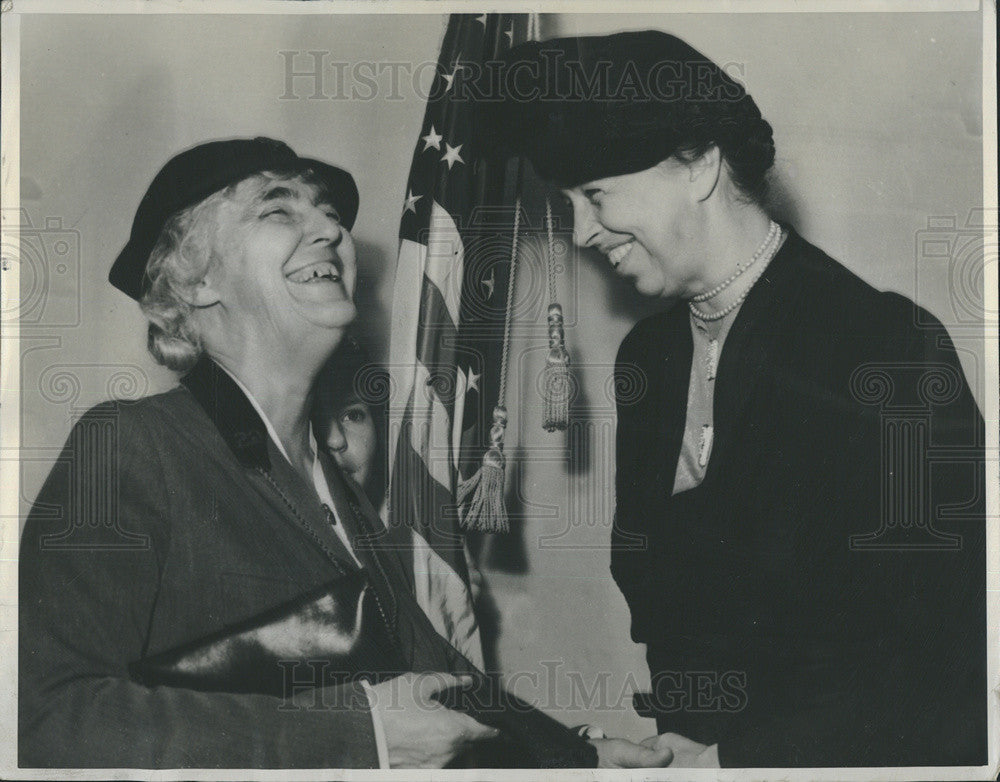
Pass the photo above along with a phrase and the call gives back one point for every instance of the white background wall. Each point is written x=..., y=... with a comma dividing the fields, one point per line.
x=878, y=129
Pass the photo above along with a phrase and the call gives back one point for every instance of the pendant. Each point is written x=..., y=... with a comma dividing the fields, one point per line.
x=705, y=448
x=712, y=359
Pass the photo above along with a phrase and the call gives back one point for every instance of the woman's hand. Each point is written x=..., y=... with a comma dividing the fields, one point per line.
x=419, y=731
x=686, y=753
x=621, y=753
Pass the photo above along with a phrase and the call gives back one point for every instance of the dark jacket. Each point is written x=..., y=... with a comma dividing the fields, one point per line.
x=819, y=600
x=163, y=521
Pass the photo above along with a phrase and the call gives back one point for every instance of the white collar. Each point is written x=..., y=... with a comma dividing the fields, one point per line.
x=272, y=433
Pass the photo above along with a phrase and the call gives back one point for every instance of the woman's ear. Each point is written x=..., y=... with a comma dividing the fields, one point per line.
x=705, y=173
x=201, y=294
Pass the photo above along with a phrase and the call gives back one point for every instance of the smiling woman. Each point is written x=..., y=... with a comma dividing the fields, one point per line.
x=242, y=258
x=642, y=222
x=271, y=206
x=757, y=457
x=283, y=275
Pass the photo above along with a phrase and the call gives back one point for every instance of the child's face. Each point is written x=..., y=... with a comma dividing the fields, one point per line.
x=353, y=439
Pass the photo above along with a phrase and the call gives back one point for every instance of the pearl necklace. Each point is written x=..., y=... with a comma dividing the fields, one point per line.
x=772, y=249
x=773, y=229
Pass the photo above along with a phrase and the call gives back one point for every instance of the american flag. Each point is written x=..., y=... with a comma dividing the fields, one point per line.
x=447, y=319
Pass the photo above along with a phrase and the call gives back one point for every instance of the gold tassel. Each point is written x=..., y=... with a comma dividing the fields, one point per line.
x=557, y=385
x=556, y=380
x=485, y=512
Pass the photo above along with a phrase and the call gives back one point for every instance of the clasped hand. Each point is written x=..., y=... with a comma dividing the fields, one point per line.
x=667, y=749
x=422, y=733
x=686, y=753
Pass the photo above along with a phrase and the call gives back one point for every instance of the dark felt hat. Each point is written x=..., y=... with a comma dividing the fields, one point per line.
x=197, y=173
x=584, y=108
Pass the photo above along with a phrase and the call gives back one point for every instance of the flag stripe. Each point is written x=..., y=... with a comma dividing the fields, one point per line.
x=423, y=503
x=403, y=337
x=436, y=349
x=430, y=430
x=445, y=259
x=444, y=592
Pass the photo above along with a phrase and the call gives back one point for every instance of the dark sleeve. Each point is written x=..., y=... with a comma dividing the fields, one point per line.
x=88, y=588
x=888, y=662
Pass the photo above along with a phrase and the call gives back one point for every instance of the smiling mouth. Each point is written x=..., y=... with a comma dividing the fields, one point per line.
x=321, y=271
x=617, y=254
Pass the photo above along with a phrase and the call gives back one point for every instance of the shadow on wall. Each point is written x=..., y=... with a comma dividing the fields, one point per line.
x=490, y=626
x=782, y=201
x=373, y=317
x=499, y=553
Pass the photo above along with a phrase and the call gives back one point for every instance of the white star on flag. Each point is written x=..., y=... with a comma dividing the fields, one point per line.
x=450, y=77
x=411, y=202
x=451, y=155
x=490, y=284
x=432, y=139
x=481, y=20
x=472, y=384
x=510, y=33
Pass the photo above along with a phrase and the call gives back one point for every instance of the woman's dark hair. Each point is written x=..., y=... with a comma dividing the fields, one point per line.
x=744, y=138
x=349, y=372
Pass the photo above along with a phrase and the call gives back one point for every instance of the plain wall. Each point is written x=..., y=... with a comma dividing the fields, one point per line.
x=878, y=129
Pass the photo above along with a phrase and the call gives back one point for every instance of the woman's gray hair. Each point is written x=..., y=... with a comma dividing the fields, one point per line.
x=179, y=261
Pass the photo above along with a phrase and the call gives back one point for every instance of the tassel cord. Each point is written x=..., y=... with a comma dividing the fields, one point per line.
x=501, y=397
x=482, y=493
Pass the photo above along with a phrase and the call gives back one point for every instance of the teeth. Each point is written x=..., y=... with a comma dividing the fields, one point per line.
x=324, y=270
x=617, y=255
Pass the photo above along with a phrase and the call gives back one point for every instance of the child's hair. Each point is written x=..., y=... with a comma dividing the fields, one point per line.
x=349, y=377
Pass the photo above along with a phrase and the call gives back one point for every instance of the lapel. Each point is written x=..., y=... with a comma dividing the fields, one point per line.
x=748, y=356
x=310, y=513
x=244, y=432
x=368, y=538
x=673, y=369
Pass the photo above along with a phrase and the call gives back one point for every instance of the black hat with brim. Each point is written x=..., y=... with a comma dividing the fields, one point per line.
x=585, y=108
x=195, y=174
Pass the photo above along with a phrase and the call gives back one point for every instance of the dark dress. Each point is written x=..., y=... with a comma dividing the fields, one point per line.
x=164, y=521
x=820, y=598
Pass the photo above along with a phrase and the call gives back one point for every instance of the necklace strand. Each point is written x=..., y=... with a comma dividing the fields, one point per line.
x=707, y=317
x=772, y=231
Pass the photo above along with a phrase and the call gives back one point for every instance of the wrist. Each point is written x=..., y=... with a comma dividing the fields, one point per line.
x=709, y=758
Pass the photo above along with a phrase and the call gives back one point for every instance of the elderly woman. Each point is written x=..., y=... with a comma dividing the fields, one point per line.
x=227, y=598
x=810, y=589
x=242, y=260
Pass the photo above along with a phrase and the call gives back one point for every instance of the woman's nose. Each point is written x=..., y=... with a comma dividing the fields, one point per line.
x=585, y=226
x=325, y=227
x=335, y=440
